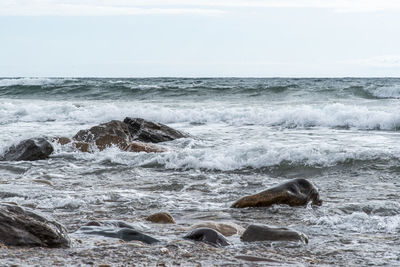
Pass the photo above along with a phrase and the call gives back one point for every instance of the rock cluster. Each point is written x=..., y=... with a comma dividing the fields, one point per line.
x=132, y=135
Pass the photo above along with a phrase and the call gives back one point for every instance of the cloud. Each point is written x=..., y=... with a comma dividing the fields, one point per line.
x=200, y=7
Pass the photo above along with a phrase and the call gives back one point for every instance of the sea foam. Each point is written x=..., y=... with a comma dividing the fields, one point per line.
x=287, y=116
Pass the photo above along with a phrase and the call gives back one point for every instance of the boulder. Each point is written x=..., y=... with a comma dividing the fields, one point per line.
x=29, y=149
x=225, y=228
x=23, y=227
x=161, y=217
x=151, y=132
x=113, y=133
x=209, y=236
x=265, y=233
x=296, y=192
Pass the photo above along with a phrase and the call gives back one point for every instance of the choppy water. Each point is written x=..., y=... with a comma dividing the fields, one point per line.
x=247, y=135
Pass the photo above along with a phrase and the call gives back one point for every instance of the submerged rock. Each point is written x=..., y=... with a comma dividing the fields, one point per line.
x=29, y=149
x=225, y=228
x=152, y=132
x=265, y=233
x=22, y=227
x=115, y=229
x=161, y=217
x=209, y=236
x=296, y=192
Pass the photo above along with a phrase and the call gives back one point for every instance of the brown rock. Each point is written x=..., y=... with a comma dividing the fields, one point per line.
x=296, y=192
x=62, y=140
x=105, y=135
x=113, y=133
x=225, y=228
x=143, y=147
x=161, y=217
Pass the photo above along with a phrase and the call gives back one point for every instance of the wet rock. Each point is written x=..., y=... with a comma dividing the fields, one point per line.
x=105, y=135
x=225, y=228
x=296, y=192
x=147, y=131
x=23, y=227
x=62, y=140
x=113, y=133
x=207, y=235
x=265, y=233
x=139, y=147
x=161, y=217
x=29, y=149
x=124, y=233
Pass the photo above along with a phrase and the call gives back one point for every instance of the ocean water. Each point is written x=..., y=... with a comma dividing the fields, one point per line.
x=246, y=135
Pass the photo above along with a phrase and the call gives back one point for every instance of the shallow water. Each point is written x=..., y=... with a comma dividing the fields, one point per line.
x=246, y=135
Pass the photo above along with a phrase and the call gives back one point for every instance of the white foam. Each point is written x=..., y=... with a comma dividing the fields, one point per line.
x=361, y=222
x=257, y=154
x=31, y=81
x=322, y=115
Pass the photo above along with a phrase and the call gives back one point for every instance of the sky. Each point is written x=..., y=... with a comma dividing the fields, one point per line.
x=199, y=38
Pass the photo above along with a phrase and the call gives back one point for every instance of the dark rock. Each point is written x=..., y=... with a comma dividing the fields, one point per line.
x=209, y=236
x=110, y=223
x=147, y=131
x=296, y=192
x=124, y=233
x=161, y=217
x=266, y=233
x=22, y=227
x=29, y=149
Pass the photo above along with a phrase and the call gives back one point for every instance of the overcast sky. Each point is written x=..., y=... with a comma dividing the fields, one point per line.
x=199, y=38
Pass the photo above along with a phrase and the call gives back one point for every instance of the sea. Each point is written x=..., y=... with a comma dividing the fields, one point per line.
x=246, y=135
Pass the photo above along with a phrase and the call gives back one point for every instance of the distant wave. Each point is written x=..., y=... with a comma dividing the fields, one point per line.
x=149, y=88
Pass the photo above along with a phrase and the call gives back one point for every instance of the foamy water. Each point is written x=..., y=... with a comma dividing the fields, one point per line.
x=246, y=135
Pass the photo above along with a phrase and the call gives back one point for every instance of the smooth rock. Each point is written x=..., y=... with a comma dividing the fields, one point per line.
x=161, y=217
x=143, y=147
x=225, y=228
x=126, y=234
x=257, y=232
x=209, y=236
x=23, y=227
x=296, y=192
x=152, y=132
x=29, y=149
